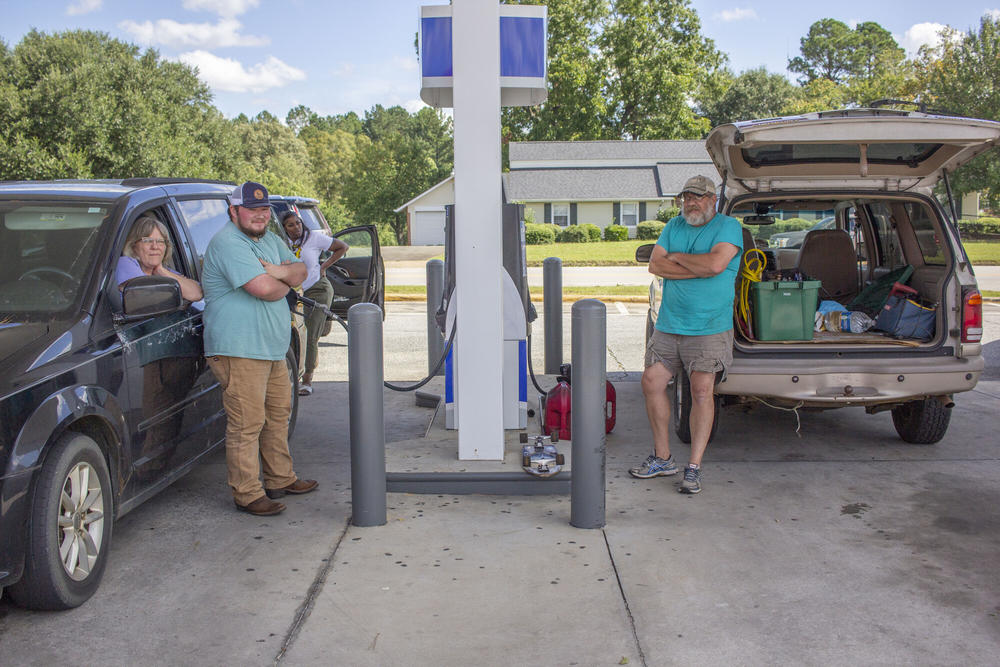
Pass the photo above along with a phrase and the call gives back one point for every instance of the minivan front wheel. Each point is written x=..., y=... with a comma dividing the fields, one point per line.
x=921, y=422
x=70, y=531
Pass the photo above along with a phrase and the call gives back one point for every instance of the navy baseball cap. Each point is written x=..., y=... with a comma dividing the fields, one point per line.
x=250, y=195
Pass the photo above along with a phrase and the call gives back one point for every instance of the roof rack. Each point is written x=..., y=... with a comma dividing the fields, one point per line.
x=161, y=180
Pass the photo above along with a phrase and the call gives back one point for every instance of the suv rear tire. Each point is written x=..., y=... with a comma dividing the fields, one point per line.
x=681, y=399
x=63, y=514
x=921, y=422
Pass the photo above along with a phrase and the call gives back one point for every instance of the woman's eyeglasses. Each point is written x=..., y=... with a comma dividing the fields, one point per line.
x=149, y=241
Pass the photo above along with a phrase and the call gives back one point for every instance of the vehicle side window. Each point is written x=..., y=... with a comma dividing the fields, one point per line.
x=927, y=236
x=890, y=254
x=360, y=242
x=174, y=263
x=204, y=217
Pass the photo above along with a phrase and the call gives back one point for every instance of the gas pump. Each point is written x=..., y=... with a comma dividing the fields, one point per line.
x=518, y=313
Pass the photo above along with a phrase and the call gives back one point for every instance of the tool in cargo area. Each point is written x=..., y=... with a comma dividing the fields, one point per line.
x=539, y=455
x=752, y=268
x=558, y=407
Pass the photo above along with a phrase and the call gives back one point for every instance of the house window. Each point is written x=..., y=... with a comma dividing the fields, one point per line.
x=630, y=214
x=560, y=214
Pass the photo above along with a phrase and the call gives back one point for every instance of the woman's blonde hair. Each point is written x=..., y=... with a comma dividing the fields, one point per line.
x=142, y=228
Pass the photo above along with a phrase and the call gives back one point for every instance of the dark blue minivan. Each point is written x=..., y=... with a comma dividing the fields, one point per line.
x=105, y=395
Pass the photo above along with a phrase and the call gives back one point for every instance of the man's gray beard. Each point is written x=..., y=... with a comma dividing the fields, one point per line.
x=698, y=219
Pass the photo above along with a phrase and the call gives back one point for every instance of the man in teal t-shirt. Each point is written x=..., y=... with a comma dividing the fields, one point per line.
x=247, y=273
x=697, y=256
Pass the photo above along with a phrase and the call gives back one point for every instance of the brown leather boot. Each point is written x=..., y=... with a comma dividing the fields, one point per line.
x=295, y=488
x=262, y=507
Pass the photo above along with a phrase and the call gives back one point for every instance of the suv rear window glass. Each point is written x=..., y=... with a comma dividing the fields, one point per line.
x=890, y=254
x=908, y=153
x=927, y=236
x=204, y=217
x=311, y=219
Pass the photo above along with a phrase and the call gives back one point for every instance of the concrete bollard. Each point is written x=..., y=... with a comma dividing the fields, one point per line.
x=589, y=339
x=365, y=372
x=552, y=294
x=435, y=292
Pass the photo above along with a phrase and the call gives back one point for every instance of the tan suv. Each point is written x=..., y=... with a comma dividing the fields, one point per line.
x=874, y=170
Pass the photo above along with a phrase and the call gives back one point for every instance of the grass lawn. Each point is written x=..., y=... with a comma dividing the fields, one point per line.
x=602, y=253
x=984, y=253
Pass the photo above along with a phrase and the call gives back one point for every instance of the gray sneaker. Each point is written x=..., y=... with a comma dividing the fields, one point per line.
x=654, y=466
x=692, y=480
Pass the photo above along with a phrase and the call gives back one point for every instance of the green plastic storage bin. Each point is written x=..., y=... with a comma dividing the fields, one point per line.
x=784, y=310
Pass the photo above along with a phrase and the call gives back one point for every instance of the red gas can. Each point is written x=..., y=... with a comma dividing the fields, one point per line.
x=558, y=407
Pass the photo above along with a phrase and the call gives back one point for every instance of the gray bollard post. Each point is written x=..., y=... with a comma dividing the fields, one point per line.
x=552, y=294
x=589, y=338
x=364, y=367
x=435, y=291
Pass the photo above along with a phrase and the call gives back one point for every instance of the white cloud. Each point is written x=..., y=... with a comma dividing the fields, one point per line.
x=731, y=15
x=84, y=7
x=226, y=8
x=413, y=106
x=344, y=70
x=231, y=76
x=167, y=32
x=921, y=34
x=993, y=14
x=407, y=64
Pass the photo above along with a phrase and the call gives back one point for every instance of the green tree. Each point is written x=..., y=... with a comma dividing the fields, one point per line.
x=963, y=79
x=273, y=155
x=827, y=52
x=407, y=154
x=80, y=104
x=576, y=106
x=657, y=61
x=755, y=93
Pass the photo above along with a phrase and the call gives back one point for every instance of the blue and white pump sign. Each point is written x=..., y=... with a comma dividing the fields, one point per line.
x=523, y=31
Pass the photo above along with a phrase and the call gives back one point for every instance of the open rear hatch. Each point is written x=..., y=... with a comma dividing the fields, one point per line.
x=858, y=149
x=870, y=158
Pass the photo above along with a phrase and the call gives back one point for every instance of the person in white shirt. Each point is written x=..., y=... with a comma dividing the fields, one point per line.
x=308, y=245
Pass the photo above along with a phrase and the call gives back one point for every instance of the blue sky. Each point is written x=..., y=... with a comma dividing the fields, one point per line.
x=336, y=56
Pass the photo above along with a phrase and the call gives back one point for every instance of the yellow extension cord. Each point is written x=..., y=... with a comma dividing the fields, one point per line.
x=751, y=270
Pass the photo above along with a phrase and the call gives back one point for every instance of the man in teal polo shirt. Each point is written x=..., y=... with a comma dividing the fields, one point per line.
x=697, y=255
x=247, y=273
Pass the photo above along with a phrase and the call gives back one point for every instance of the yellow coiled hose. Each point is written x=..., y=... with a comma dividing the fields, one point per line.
x=751, y=270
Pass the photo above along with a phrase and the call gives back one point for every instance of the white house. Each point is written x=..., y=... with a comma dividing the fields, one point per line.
x=578, y=182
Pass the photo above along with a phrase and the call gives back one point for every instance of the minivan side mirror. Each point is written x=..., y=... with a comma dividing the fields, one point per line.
x=644, y=252
x=148, y=296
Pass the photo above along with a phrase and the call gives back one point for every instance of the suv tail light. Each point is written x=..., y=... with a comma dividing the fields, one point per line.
x=972, y=315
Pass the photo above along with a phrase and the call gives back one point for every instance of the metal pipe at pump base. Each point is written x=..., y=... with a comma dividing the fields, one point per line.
x=365, y=375
x=435, y=294
x=552, y=292
x=589, y=339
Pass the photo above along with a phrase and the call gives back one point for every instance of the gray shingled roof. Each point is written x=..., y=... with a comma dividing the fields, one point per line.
x=609, y=150
x=664, y=180
x=581, y=184
x=673, y=175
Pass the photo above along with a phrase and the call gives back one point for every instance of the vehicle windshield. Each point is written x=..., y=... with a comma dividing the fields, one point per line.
x=45, y=252
x=310, y=217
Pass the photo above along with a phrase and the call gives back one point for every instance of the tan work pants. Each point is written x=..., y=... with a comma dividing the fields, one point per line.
x=257, y=396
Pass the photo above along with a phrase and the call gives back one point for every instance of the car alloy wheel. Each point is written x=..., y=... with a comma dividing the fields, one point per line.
x=81, y=521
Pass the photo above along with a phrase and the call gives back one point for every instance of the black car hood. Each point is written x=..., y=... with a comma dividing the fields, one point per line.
x=24, y=345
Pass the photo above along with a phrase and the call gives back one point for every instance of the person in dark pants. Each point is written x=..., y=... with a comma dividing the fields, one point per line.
x=308, y=245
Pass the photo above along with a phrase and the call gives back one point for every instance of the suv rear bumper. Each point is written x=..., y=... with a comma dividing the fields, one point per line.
x=838, y=385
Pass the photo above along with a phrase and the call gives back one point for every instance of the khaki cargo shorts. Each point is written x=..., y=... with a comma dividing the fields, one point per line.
x=706, y=354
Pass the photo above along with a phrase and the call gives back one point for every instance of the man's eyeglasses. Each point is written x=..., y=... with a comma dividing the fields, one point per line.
x=149, y=241
x=692, y=197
